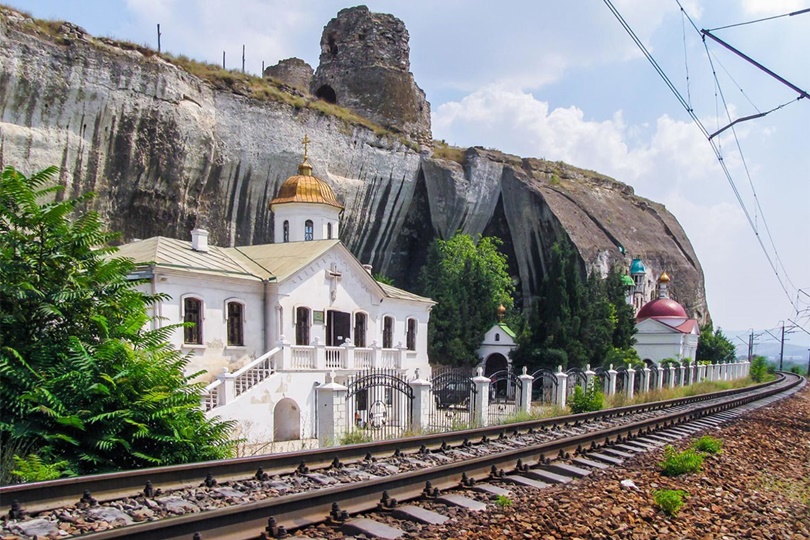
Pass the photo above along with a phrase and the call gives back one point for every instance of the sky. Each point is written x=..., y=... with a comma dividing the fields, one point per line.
x=564, y=81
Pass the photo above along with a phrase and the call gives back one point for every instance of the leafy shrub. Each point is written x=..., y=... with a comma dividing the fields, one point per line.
x=758, y=369
x=708, y=445
x=590, y=399
x=669, y=500
x=35, y=469
x=676, y=463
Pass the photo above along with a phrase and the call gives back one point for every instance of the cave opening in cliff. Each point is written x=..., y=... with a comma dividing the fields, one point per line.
x=326, y=93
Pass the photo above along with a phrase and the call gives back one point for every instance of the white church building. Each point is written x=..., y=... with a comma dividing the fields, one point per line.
x=270, y=323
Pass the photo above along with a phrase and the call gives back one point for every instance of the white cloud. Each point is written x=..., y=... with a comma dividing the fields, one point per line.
x=772, y=7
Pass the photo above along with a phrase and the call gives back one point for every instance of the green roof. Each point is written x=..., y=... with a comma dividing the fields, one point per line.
x=628, y=281
x=508, y=331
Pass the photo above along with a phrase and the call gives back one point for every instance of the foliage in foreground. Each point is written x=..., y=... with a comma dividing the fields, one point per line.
x=588, y=400
x=677, y=463
x=669, y=501
x=708, y=445
x=713, y=345
x=81, y=381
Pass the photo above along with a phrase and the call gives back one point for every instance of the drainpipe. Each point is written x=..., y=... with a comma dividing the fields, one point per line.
x=265, y=318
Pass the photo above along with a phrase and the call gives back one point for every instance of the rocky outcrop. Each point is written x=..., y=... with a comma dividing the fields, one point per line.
x=365, y=66
x=293, y=72
x=166, y=151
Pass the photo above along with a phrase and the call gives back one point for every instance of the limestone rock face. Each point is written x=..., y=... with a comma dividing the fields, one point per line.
x=292, y=71
x=165, y=151
x=365, y=67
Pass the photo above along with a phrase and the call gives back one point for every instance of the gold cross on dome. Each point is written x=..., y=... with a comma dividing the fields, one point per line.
x=305, y=142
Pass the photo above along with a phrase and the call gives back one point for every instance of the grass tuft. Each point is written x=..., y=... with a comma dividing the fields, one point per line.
x=708, y=445
x=669, y=501
x=677, y=463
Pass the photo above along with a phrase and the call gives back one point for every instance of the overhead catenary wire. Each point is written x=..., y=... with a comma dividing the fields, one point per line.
x=686, y=105
x=791, y=14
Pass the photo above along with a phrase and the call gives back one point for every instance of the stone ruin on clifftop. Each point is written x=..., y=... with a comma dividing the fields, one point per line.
x=365, y=67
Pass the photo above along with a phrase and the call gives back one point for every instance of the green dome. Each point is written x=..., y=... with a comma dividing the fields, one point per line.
x=637, y=267
x=627, y=281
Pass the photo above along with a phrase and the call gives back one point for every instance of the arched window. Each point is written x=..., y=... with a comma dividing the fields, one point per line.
x=360, y=325
x=329, y=231
x=193, y=313
x=388, y=332
x=411, y=336
x=236, y=324
x=286, y=231
x=308, y=230
x=302, y=326
x=497, y=337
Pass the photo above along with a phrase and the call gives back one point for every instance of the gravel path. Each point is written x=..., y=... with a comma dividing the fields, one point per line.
x=758, y=487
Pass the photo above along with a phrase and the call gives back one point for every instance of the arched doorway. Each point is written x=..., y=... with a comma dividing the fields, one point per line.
x=286, y=421
x=494, y=363
x=326, y=93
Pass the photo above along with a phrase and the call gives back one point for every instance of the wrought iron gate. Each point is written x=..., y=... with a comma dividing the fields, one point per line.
x=576, y=377
x=544, y=387
x=378, y=404
x=452, y=396
x=504, y=387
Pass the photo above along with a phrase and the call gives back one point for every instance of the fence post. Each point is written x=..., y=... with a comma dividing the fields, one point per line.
x=348, y=352
x=746, y=368
x=659, y=382
x=671, y=376
x=331, y=413
x=480, y=399
x=589, y=375
x=227, y=392
x=285, y=358
x=420, y=406
x=646, y=383
x=525, y=398
x=682, y=368
x=687, y=372
x=611, y=381
x=562, y=388
x=631, y=381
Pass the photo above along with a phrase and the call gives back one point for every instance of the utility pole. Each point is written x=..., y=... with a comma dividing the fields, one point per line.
x=223, y=59
x=751, y=347
x=808, y=362
x=158, y=38
x=782, y=349
x=243, y=58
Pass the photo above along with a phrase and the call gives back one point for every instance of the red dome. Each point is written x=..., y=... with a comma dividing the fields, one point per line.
x=662, y=307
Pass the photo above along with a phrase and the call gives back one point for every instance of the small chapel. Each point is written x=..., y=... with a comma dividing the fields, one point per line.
x=267, y=324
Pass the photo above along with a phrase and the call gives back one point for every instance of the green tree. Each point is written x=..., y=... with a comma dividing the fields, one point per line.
x=624, y=330
x=714, y=346
x=81, y=380
x=468, y=280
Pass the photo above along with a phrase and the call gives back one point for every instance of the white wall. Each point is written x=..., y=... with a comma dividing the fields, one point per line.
x=298, y=213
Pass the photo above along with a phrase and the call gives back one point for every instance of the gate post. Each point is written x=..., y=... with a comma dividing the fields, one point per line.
x=683, y=375
x=631, y=381
x=420, y=406
x=646, y=383
x=228, y=391
x=331, y=413
x=688, y=372
x=611, y=381
x=525, y=398
x=562, y=387
x=659, y=383
x=480, y=399
x=671, y=376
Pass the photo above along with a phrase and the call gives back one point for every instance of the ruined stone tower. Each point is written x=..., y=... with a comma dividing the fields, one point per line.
x=365, y=67
x=292, y=71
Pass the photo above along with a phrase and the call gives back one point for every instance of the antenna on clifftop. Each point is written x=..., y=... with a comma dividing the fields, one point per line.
x=223, y=59
x=158, y=30
x=243, y=58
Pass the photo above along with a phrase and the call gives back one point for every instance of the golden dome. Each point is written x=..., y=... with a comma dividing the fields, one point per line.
x=664, y=278
x=305, y=188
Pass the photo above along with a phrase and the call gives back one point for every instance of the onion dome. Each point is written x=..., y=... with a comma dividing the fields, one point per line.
x=501, y=312
x=305, y=188
x=627, y=281
x=664, y=278
x=662, y=308
x=637, y=267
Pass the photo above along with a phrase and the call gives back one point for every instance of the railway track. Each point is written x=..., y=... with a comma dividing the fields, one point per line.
x=233, y=499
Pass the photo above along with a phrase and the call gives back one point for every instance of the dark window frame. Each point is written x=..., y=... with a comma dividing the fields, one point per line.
x=235, y=317
x=193, y=313
x=309, y=230
x=388, y=332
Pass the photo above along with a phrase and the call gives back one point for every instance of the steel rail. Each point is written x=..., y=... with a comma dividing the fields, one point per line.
x=309, y=508
x=40, y=496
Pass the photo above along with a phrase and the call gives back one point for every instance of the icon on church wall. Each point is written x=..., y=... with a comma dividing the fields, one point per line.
x=317, y=317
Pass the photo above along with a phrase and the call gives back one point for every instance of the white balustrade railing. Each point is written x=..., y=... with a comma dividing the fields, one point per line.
x=209, y=398
x=303, y=357
x=388, y=358
x=255, y=372
x=364, y=358
x=334, y=358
